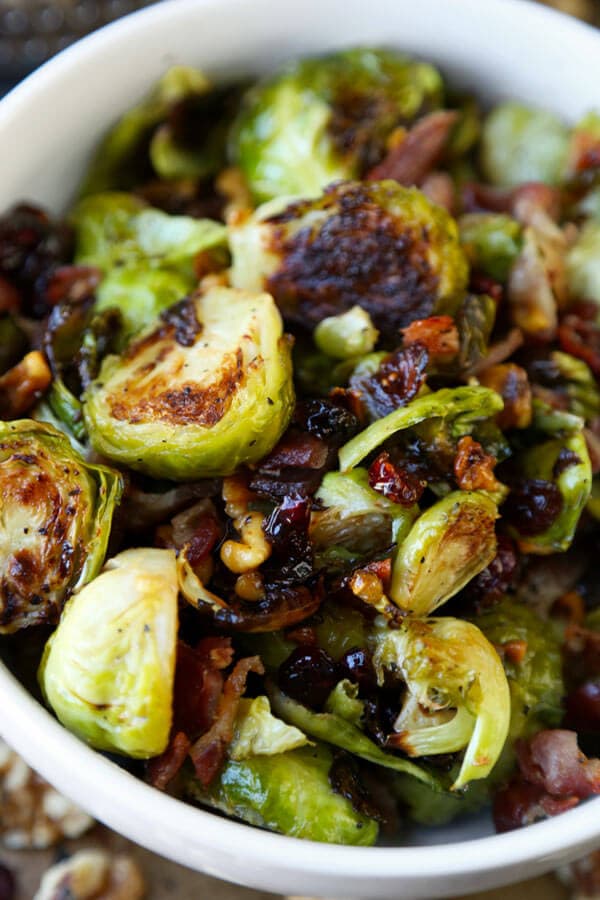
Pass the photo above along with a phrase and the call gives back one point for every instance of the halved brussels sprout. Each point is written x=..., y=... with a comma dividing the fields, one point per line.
x=108, y=670
x=376, y=245
x=259, y=733
x=146, y=256
x=338, y=731
x=355, y=516
x=323, y=119
x=519, y=143
x=55, y=524
x=563, y=462
x=449, y=667
x=206, y=390
x=583, y=264
x=492, y=242
x=288, y=792
x=460, y=407
x=117, y=163
x=447, y=546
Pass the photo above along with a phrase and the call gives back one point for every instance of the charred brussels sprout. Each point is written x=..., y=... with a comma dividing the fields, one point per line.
x=108, y=669
x=56, y=518
x=491, y=241
x=288, y=792
x=206, y=390
x=376, y=245
x=583, y=264
x=455, y=678
x=522, y=144
x=447, y=546
x=324, y=119
x=145, y=255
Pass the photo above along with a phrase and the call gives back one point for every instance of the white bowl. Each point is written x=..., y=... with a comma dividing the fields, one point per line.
x=48, y=128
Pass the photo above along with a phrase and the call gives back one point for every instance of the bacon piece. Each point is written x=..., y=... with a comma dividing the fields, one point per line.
x=552, y=761
x=198, y=684
x=581, y=338
x=521, y=803
x=512, y=383
x=72, y=284
x=208, y=752
x=438, y=334
x=473, y=467
x=417, y=154
x=163, y=769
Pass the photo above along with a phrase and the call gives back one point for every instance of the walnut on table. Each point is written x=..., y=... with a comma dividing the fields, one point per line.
x=33, y=815
x=93, y=875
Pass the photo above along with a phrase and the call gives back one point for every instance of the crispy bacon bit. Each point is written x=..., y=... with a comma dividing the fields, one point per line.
x=512, y=383
x=417, y=154
x=490, y=585
x=532, y=505
x=521, y=803
x=473, y=467
x=396, y=482
x=552, y=761
x=163, y=769
x=581, y=338
x=583, y=708
x=72, y=284
x=208, y=752
x=438, y=334
x=23, y=385
x=206, y=534
x=301, y=451
x=396, y=381
x=198, y=684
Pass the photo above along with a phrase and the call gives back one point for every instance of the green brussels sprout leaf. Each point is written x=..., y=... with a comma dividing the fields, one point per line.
x=259, y=733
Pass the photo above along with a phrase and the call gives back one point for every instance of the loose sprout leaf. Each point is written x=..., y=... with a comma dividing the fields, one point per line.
x=346, y=336
x=56, y=519
x=145, y=255
x=328, y=118
x=108, y=669
x=340, y=732
x=116, y=163
x=356, y=516
x=259, y=733
x=199, y=408
x=446, y=547
x=343, y=701
x=289, y=793
x=461, y=407
x=448, y=664
x=519, y=144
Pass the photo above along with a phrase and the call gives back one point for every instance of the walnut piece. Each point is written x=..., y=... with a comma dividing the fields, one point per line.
x=93, y=875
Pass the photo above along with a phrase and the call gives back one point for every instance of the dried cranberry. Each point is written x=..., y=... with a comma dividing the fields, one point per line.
x=308, y=675
x=356, y=665
x=396, y=381
x=7, y=883
x=287, y=530
x=326, y=420
x=532, y=505
x=490, y=585
x=583, y=708
x=397, y=482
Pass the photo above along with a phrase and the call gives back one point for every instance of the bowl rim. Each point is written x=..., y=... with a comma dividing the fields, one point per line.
x=79, y=771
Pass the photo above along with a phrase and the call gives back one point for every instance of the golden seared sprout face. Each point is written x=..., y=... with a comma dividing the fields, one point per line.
x=448, y=545
x=55, y=522
x=376, y=245
x=108, y=669
x=206, y=390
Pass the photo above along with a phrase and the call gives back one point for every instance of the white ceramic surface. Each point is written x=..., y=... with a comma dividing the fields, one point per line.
x=48, y=127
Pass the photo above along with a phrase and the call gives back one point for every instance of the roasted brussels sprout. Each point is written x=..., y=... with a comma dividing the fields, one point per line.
x=557, y=472
x=520, y=144
x=287, y=792
x=56, y=519
x=531, y=654
x=491, y=241
x=347, y=335
x=146, y=256
x=355, y=516
x=460, y=407
x=376, y=245
x=206, y=390
x=324, y=119
x=449, y=667
x=340, y=732
x=108, y=670
x=137, y=145
x=447, y=546
x=583, y=264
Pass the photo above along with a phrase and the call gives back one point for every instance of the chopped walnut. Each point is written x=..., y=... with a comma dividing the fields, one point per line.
x=512, y=383
x=23, y=385
x=583, y=877
x=32, y=813
x=473, y=467
x=93, y=875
